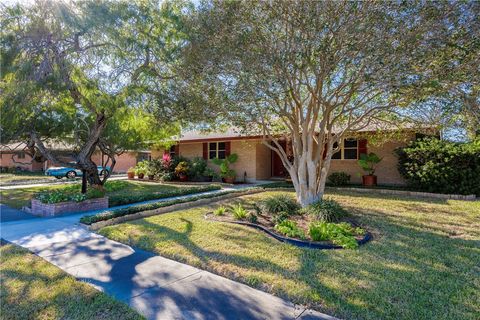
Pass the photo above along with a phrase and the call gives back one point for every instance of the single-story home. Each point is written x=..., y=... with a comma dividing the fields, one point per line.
x=14, y=155
x=258, y=162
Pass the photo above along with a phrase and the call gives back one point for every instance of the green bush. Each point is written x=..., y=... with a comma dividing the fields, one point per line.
x=197, y=168
x=325, y=210
x=127, y=199
x=280, y=203
x=239, y=212
x=341, y=234
x=338, y=179
x=290, y=229
x=434, y=165
x=220, y=211
x=251, y=217
x=278, y=217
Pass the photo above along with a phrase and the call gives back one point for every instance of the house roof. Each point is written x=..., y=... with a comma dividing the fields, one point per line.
x=234, y=133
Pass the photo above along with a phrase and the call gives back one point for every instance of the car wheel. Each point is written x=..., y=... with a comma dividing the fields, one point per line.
x=58, y=177
x=105, y=173
x=71, y=174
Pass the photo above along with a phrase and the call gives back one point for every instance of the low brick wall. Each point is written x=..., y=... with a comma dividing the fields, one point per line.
x=55, y=209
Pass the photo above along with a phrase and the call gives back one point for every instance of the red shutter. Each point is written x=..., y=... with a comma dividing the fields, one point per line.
x=362, y=147
x=177, y=150
x=205, y=150
x=227, y=148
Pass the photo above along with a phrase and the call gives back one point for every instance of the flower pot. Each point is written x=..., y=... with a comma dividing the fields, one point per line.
x=230, y=180
x=182, y=177
x=131, y=175
x=151, y=176
x=369, y=180
x=141, y=175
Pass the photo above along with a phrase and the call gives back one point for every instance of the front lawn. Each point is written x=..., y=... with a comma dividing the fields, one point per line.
x=21, y=177
x=422, y=264
x=32, y=288
x=119, y=192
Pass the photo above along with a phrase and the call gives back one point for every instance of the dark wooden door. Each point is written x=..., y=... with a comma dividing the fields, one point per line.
x=278, y=170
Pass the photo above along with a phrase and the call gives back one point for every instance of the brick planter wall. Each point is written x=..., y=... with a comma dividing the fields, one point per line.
x=55, y=209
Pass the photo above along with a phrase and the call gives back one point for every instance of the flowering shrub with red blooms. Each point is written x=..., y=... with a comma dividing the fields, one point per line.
x=166, y=161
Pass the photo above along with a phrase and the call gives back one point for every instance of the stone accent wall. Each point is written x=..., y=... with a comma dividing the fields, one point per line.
x=55, y=209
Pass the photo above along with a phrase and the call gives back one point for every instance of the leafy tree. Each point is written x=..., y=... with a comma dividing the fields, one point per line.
x=311, y=71
x=66, y=78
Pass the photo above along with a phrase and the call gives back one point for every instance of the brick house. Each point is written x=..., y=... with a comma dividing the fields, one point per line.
x=258, y=162
x=13, y=155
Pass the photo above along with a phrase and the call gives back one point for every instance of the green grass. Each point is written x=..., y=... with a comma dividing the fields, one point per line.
x=422, y=264
x=32, y=288
x=17, y=198
x=23, y=176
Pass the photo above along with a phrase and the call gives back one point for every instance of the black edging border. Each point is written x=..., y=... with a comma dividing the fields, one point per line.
x=296, y=242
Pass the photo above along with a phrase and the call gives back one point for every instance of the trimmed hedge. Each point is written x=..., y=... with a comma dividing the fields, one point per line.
x=434, y=165
x=110, y=214
x=127, y=199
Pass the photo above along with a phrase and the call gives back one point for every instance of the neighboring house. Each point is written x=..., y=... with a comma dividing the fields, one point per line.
x=258, y=162
x=13, y=155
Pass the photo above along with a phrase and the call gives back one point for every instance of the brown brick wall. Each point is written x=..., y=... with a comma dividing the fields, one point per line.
x=55, y=209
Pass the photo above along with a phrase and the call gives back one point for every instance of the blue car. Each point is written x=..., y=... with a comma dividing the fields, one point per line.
x=72, y=173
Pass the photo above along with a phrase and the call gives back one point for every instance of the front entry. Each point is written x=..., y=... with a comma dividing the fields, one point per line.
x=278, y=170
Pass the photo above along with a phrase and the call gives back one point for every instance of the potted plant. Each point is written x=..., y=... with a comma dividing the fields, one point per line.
x=131, y=173
x=181, y=170
x=368, y=163
x=150, y=173
x=209, y=173
x=140, y=170
x=228, y=175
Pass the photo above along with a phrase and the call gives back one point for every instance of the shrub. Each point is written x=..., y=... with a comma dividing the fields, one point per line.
x=280, y=203
x=434, y=165
x=182, y=168
x=251, y=217
x=325, y=210
x=224, y=164
x=220, y=211
x=197, y=168
x=368, y=162
x=94, y=193
x=278, y=217
x=129, y=198
x=341, y=234
x=290, y=229
x=338, y=179
x=239, y=212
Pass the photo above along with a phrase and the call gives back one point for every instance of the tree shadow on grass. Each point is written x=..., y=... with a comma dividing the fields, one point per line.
x=408, y=272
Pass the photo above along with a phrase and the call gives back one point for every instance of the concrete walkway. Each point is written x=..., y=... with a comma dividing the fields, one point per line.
x=157, y=287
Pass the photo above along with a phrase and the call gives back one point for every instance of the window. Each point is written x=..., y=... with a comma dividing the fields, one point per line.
x=21, y=155
x=172, y=151
x=349, y=151
x=216, y=150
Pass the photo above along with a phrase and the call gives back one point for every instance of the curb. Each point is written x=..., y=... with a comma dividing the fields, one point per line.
x=185, y=205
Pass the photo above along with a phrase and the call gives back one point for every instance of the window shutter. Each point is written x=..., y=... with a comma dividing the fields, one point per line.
x=362, y=147
x=205, y=150
x=227, y=148
x=177, y=150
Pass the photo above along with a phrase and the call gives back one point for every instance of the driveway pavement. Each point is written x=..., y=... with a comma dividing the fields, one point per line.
x=157, y=287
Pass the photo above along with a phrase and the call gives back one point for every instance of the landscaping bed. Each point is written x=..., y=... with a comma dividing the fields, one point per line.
x=323, y=225
x=422, y=263
x=32, y=288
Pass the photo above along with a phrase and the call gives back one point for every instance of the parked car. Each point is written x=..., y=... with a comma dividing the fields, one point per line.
x=71, y=173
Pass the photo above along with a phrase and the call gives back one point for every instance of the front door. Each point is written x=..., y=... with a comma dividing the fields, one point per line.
x=278, y=170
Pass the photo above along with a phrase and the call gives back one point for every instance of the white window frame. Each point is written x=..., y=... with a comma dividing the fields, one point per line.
x=217, y=149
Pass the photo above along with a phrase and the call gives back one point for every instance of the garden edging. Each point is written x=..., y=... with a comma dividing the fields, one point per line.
x=296, y=242
x=185, y=205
